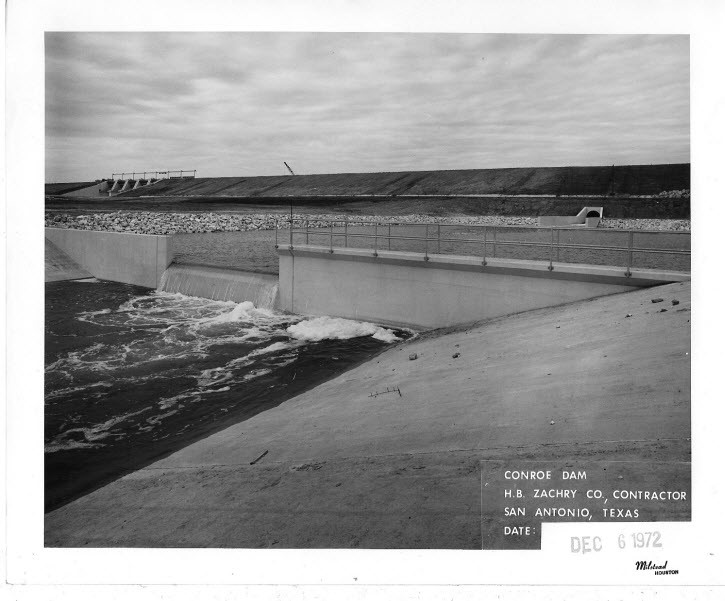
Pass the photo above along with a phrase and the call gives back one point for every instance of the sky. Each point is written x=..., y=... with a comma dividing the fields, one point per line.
x=233, y=104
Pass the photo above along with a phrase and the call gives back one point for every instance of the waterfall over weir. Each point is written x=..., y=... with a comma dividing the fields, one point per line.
x=218, y=283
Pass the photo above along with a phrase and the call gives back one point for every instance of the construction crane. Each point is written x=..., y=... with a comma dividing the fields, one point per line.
x=288, y=167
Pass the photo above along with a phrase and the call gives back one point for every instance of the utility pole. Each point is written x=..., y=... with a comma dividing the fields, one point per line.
x=288, y=167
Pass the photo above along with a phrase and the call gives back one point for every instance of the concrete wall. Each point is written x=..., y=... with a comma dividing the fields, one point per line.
x=562, y=220
x=401, y=288
x=580, y=218
x=59, y=266
x=120, y=257
x=93, y=191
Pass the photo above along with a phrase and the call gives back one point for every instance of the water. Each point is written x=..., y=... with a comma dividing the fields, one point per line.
x=223, y=284
x=133, y=375
x=248, y=251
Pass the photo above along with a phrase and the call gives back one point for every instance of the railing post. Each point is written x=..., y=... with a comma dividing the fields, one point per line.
x=558, y=238
x=554, y=241
x=485, y=229
x=551, y=251
x=630, y=245
x=291, y=227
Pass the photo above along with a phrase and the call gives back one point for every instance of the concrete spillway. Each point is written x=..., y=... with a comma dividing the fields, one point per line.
x=222, y=284
x=607, y=379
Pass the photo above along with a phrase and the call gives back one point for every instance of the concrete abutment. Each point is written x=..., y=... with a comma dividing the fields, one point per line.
x=138, y=259
x=404, y=289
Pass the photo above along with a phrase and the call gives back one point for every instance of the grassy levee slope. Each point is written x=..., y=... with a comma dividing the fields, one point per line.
x=550, y=181
x=55, y=189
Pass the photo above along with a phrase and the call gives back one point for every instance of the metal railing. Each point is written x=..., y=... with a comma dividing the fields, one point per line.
x=487, y=241
x=177, y=173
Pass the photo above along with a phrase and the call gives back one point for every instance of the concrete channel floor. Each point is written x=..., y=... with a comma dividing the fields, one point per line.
x=343, y=469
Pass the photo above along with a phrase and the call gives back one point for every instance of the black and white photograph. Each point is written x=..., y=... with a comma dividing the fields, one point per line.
x=318, y=347
x=314, y=289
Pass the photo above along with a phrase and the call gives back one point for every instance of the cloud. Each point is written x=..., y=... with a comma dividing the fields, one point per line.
x=241, y=103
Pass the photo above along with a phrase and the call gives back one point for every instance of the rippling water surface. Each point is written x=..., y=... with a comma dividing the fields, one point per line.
x=132, y=374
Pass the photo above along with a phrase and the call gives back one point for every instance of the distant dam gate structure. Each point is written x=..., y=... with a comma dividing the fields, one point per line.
x=127, y=181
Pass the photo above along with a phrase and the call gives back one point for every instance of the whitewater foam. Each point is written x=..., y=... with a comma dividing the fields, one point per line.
x=155, y=337
x=336, y=328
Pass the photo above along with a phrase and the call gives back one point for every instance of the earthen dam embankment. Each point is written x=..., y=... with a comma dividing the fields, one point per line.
x=628, y=191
